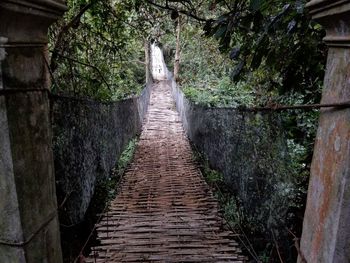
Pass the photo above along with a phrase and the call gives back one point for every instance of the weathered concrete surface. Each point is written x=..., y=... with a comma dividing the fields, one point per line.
x=89, y=137
x=29, y=229
x=10, y=223
x=250, y=150
x=326, y=232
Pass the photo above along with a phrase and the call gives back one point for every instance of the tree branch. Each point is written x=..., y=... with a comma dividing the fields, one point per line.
x=60, y=37
x=170, y=8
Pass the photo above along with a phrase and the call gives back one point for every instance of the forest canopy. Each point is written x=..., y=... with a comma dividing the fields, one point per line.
x=251, y=37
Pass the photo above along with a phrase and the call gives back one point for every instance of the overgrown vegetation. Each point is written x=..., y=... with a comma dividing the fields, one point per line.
x=126, y=157
x=97, y=50
x=205, y=71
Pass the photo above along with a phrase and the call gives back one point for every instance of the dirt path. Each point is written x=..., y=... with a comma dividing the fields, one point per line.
x=164, y=212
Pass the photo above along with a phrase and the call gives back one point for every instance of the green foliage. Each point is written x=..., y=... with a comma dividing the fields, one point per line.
x=126, y=156
x=105, y=37
x=205, y=71
x=212, y=176
x=253, y=36
x=258, y=33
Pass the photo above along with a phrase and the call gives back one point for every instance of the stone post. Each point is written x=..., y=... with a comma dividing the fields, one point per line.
x=326, y=228
x=29, y=229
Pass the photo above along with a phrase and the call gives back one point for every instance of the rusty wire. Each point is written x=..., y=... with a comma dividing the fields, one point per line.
x=10, y=243
x=5, y=92
x=335, y=106
x=23, y=45
x=338, y=105
x=51, y=217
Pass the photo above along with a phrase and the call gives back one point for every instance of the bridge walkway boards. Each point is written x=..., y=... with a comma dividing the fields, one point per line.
x=164, y=212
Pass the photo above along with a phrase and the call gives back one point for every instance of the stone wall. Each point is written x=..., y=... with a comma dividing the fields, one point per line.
x=88, y=138
x=249, y=149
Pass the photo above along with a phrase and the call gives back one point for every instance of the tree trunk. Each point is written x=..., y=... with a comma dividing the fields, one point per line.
x=148, y=62
x=177, y=53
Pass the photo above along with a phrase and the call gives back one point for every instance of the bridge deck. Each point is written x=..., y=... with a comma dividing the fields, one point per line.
x=164, y=212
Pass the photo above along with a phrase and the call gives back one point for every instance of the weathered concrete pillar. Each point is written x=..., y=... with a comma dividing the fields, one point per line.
x=29, y=229
x=326, y=228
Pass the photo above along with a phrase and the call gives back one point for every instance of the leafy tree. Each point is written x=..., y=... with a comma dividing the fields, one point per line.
x=98, y=48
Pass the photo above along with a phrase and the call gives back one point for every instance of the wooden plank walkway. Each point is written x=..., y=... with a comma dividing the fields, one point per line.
x=164, y=212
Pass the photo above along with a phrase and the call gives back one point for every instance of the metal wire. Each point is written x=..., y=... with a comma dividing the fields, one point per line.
x=6, y=92
x=335, y=106
x=23, y=45
x=10, y=243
